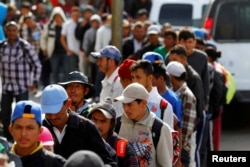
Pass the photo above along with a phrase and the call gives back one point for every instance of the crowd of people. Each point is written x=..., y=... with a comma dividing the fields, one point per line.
x=157, y=101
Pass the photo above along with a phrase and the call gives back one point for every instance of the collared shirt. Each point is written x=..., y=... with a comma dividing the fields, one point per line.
x=19, y=64
x=60, y=135
x=137, y=45
x=189, y=114
x=68, y=29
x=154, y=100
x=111, y=87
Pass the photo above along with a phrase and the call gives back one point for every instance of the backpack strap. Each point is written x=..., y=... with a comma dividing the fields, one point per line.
x=156, y=131
x=118, y=124
x=163, y=106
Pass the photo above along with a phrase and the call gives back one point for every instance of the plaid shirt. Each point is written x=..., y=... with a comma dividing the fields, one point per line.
x=33, y=36
x=189, y=114
x=19, y=63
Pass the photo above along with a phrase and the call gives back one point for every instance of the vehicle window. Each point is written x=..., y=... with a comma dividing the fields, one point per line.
x=233, y=21
x=176, y=14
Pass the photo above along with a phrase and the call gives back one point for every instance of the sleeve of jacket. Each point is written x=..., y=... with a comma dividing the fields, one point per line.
x=205, y=81
x=98, y=145
x=164, y=150
x=34, y=61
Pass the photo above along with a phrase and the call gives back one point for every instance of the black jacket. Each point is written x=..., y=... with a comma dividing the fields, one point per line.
x=81, y=134
x=43, y=158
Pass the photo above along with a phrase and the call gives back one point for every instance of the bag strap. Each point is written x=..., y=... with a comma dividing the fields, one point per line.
x=156, y=131
x=163, y=106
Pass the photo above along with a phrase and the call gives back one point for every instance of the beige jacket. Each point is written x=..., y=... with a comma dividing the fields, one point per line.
x=140, y=134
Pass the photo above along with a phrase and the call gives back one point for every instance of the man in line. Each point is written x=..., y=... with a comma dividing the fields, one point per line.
x=19, y=61
x=104, y=116
x=78, y=89
x=178, y=75
x=108, y=61
x=70, y=131
x=25, y=127
x=136, y=125
x=142, y=73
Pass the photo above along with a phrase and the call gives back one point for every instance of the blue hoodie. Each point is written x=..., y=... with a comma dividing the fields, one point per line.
x=3, y=11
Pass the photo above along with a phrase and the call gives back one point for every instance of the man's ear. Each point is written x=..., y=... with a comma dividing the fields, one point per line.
x=68, y=103
x=86, y=91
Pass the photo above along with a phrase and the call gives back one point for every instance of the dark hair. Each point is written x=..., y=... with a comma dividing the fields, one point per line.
x=183, y=77
x=200, y=41
x=179, y=50
x=138, y=100
x=159, y=71
x=170, y=32
x=185, y=34
x=145, y=65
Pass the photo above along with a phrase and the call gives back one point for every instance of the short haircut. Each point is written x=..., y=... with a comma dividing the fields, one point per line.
x=179, y=50
x=170, y=32
x=145, y=65
x=185, y=34
x=159, y=71
x=200, y=41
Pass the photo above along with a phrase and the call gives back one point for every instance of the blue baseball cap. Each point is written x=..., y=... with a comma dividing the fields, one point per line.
x=109, y=51
x=153, y=57
x=27, y=109
x=52, y=99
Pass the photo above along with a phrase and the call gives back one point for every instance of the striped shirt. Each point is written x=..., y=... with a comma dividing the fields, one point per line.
x=20, y=66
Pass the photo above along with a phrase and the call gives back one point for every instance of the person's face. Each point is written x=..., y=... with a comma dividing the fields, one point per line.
x=58, y=18
x=180, y=59
x=200, y=47
x=169, y=41
x=103, y=124
x=12, y=32
x=24, y=11
x=95, y=24
x=139, y=33
x=75, y=13
x=25, y=132
x=87, y=15
x=125, y=31
x=76, y=92
x=153, y=39
x=125, y=82
x=49, y=148
x=59, y=119
x=155, y=81
x=134, y=110
x=103, y=63
x=140, y=77
x=189, y=44
x=29, y=22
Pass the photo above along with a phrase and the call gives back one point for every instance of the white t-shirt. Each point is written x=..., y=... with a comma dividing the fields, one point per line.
x=68, y=29
x=154, y=100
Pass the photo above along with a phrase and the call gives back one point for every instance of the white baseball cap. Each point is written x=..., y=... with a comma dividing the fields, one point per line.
x=175, y=68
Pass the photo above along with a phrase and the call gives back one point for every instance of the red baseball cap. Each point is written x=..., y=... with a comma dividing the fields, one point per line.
x=124, y=69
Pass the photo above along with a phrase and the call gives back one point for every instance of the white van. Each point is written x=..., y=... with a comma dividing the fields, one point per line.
x=179, y=13
x=228, y=25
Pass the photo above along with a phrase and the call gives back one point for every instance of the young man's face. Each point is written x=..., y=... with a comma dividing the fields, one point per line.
x=135, y=110
x=59, y=119
x=103, y=124
x=169, y=41
x=175, y=57
x=76, y=92
x=12, y=32
x=140, y=77
x=25, y=132
x=103, y=63
x=189, y=44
